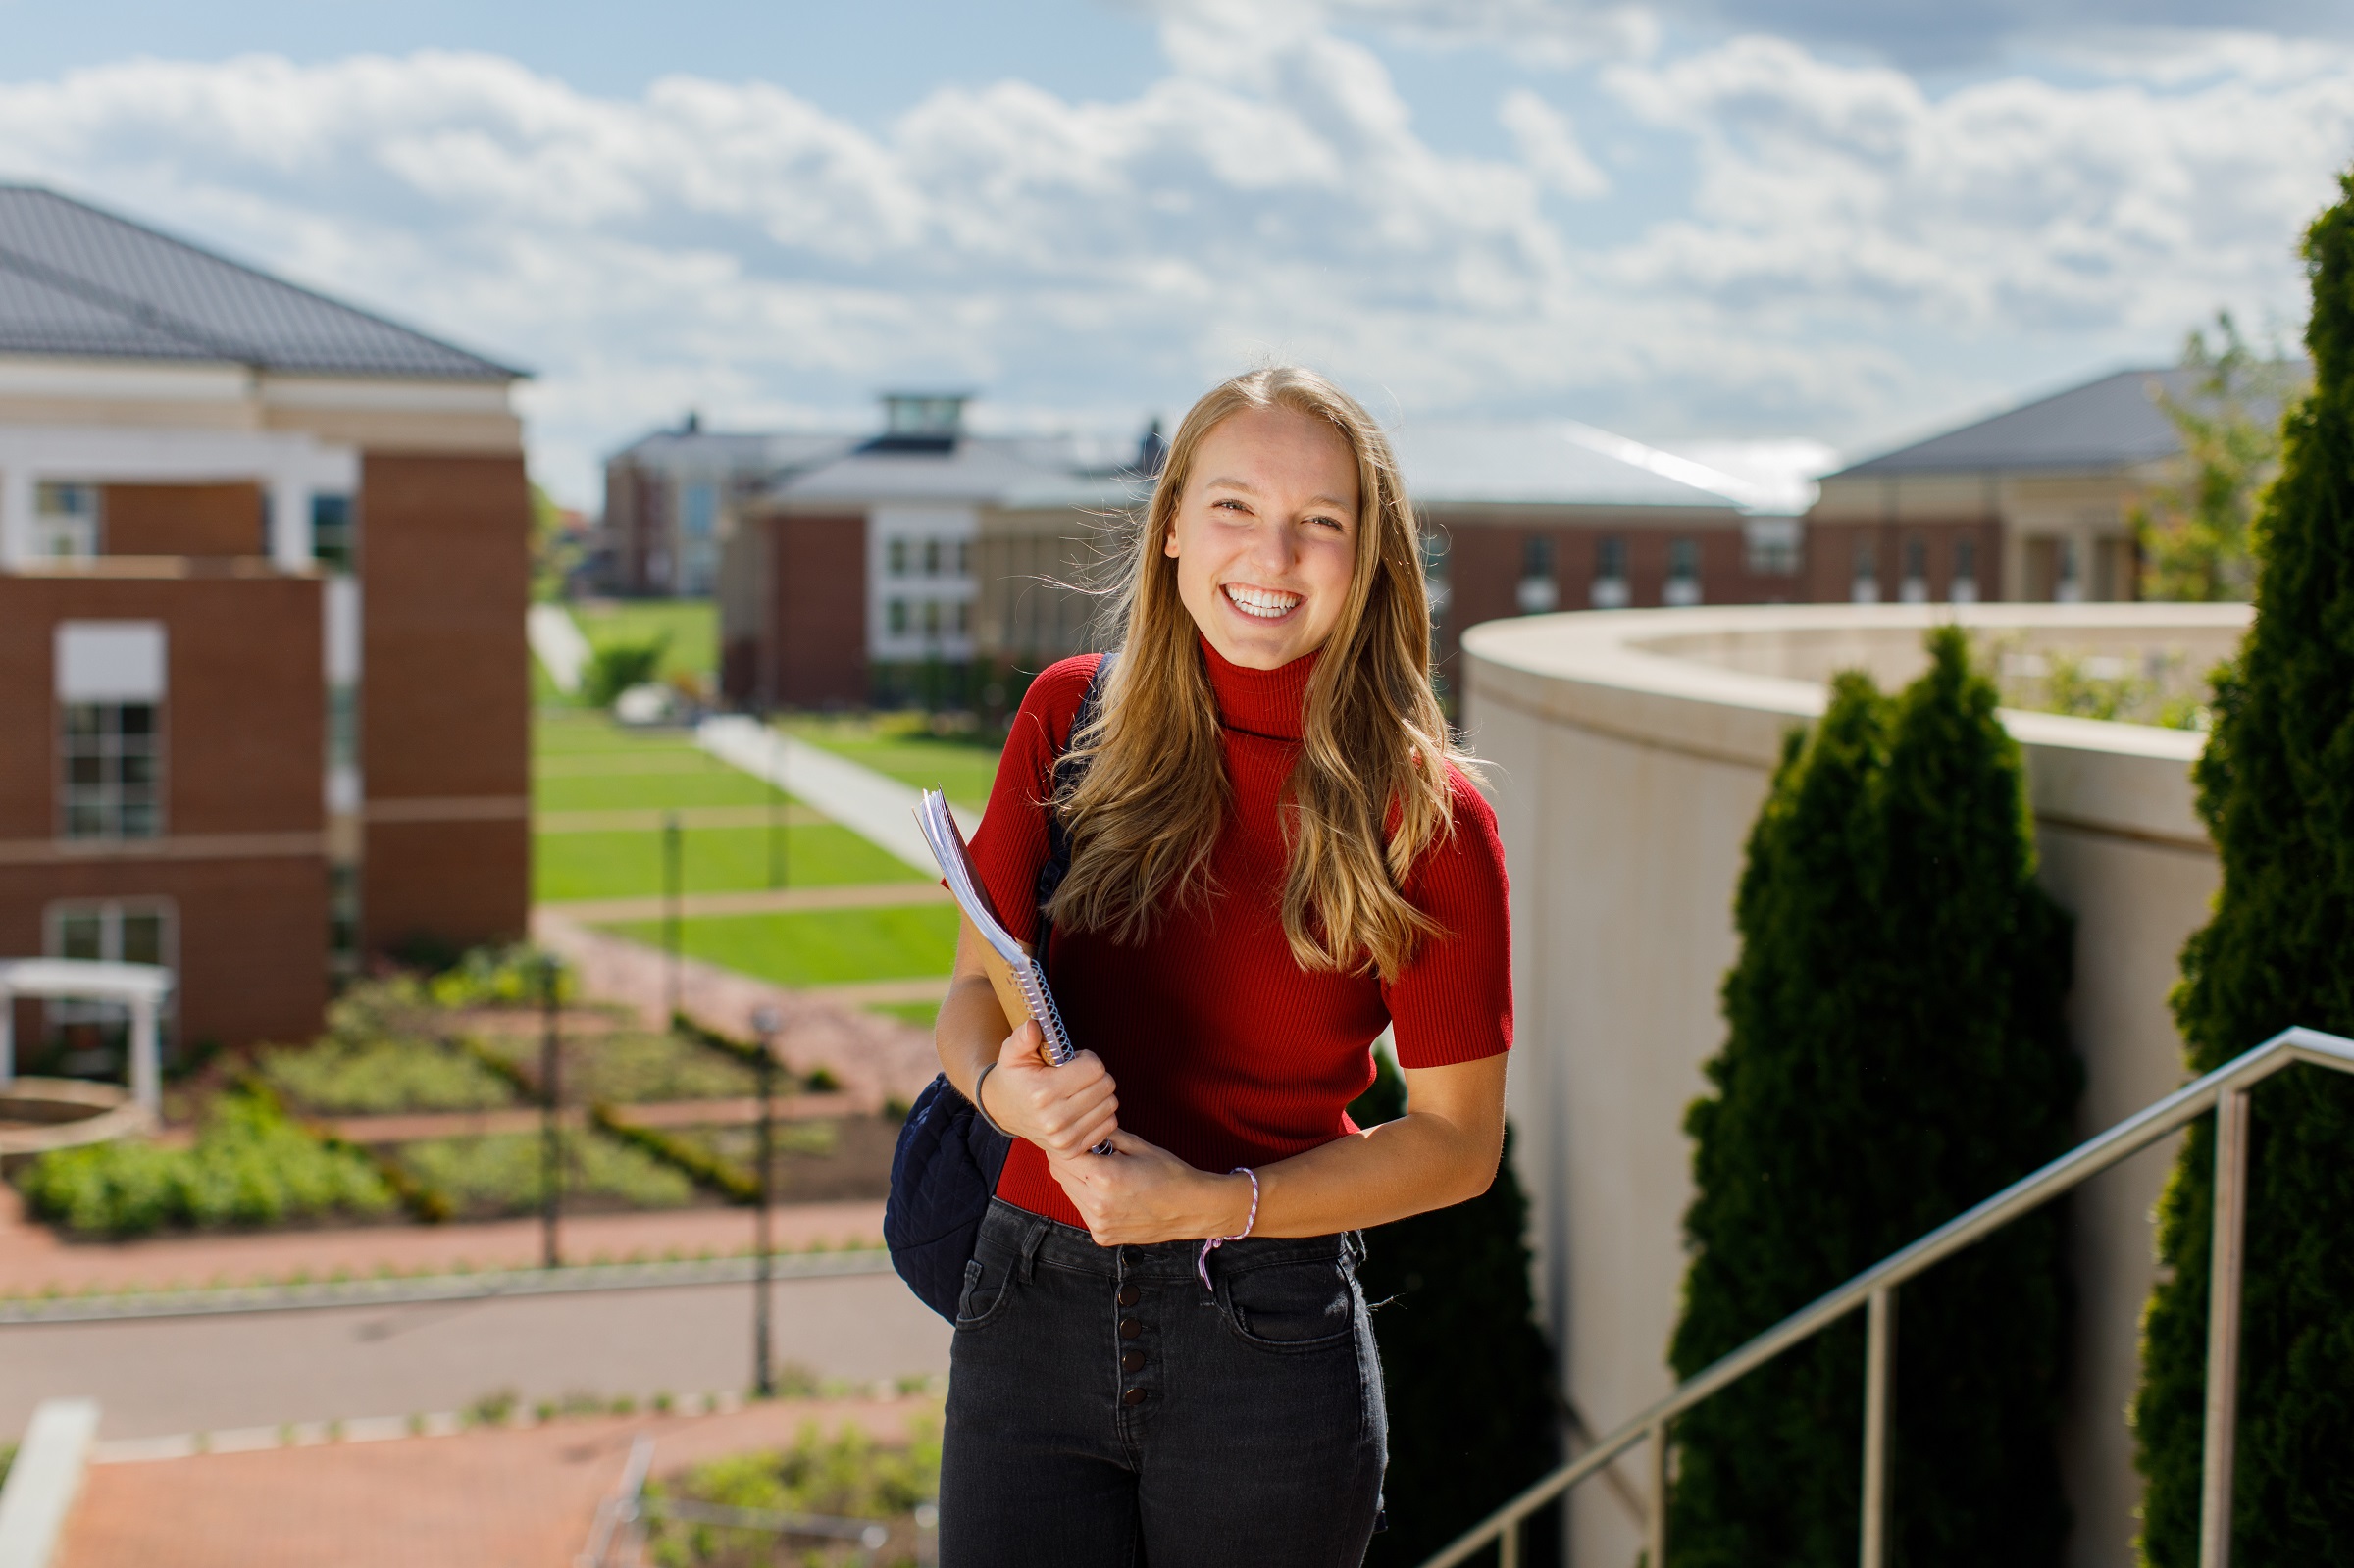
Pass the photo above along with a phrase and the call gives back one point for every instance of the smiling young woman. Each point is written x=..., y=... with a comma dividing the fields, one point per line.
x=1161, y=1353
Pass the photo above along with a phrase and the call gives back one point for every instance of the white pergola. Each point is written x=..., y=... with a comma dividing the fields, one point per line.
x=141, y=988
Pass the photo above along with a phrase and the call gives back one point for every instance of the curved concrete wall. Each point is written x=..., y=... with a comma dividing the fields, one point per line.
x=1630, y=752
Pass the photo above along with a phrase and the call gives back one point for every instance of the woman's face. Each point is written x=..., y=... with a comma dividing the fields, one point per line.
x=1265, y=536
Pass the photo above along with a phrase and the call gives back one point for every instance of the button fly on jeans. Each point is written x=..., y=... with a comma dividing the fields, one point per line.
x=1129, y=1295
x=1133, y=1361
x=1130, y=1328
x=1133, y=1397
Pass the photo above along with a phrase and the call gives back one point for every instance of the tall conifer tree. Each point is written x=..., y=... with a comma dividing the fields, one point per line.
x=2277, y=787
x=1895, y=1053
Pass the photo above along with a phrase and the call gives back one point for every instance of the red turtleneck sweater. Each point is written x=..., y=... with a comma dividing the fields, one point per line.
x=1226, y=1051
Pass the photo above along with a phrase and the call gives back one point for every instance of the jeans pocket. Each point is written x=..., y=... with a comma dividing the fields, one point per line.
x=1303, y=1305
x=987, y=1287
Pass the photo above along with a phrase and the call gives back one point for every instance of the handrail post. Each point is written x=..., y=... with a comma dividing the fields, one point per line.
x=2226, y=1257
x=1879, y=1349
x=1508, y=1545
x=1654, y=1545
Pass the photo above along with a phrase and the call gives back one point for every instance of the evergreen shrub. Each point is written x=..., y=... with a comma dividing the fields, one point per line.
x=250, y=1165
x=2277, y=788
x=1895, y=1053
x=1465, y=1368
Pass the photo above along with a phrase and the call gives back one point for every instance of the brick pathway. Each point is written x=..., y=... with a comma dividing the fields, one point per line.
x=483, y=1499
x=33, y=1258
x=872, y=1056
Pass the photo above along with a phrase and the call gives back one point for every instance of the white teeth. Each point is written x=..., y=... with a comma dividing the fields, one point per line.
x=1261, y=602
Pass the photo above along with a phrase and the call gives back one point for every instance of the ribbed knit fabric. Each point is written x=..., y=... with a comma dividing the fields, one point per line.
x=1226, y=1051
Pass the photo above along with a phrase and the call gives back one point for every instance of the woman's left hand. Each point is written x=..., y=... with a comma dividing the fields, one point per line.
x=1142, y=1193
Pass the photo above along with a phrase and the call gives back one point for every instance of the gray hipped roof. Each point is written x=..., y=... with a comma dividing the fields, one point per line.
x=77, y=282
x=2114, y=422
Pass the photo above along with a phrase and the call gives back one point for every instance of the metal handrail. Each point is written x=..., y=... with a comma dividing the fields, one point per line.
x=2223, y=1091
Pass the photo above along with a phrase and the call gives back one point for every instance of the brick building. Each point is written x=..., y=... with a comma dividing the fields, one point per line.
x=668, y=492
x=263, y=559
x=2033, y=504
x=853, y=579
x=1520, y=518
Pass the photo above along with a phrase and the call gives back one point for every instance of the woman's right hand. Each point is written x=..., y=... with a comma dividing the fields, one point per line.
x=1064, y=1110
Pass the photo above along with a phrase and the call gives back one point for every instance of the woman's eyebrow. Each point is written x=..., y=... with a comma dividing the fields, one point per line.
x=1228, y=485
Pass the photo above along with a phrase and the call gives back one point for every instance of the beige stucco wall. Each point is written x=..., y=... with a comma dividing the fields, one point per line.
x=1630, y=752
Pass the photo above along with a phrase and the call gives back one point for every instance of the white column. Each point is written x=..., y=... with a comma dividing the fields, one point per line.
x=146, y=1063
x=291, y=522
x=16, y=516
x=8, y=1036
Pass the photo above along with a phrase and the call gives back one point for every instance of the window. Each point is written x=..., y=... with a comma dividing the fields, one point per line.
x=895, y=557
x=334, y=536
x=964, y=618
x=65, y=521
x=698, y=512
x=112, y=759
x=964, y=558
x=1866, y=582
x=1538, y=591
x=931, y=617
x=931, y=558
x=1610, y=572
x=1914, y=589
x=1683, y=572
x=1966, y=572
x=115, y=932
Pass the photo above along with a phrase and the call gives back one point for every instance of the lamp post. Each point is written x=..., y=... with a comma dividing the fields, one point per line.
x=671, y=877
x=764, y=1029
x=779, y=863
x=551, y=1137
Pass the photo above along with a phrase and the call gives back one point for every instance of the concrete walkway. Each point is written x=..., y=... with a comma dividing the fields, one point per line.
x=556, y=641
x=878, y=809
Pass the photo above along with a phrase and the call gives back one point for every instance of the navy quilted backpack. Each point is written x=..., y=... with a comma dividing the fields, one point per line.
x=948, y=1161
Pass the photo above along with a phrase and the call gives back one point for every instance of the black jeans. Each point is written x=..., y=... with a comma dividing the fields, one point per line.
x=1105, y=1410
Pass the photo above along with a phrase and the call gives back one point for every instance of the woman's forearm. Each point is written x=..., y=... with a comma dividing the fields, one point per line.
x=970, y=1029
x=1410, y=1166
x=1443, y=1150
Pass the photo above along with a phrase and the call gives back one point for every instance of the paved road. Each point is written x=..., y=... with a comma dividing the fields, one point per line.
x=205, y=1374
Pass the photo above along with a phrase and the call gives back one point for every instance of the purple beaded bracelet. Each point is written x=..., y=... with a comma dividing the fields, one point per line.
x=1202, y=1263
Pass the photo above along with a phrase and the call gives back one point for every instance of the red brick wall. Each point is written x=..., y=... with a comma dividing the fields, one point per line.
x=445, y=696
x=819, y=611
x=183, y=520
x=1831, y=557
x=244, y=735
x=244, y=715
x=252, y=935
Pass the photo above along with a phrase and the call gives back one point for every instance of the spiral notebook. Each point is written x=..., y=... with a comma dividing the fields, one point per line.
x=948, y=845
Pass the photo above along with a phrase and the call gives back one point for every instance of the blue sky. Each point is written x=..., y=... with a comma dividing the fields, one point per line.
x=1686, y=220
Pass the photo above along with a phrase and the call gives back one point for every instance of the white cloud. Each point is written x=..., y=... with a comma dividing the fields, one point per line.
x=1851, y=250
x=1548, y=144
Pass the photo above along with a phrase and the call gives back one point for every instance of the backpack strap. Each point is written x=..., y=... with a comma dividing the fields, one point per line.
x=1068, y=771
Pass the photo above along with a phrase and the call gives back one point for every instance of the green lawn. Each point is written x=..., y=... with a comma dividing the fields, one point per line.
x=692, y=625
x=628, y=865
x=894, y=746
x=689, y=784
x=593, y=735
x=826, y=947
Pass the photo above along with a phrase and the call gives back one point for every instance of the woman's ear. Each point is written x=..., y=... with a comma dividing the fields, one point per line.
x=1168, y=543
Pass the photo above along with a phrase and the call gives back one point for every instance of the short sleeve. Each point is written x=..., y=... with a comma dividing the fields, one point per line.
x=1454, y=1002
x=1011, y=845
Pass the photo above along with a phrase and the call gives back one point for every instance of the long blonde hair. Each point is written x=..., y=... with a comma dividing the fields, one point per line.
x=1370, y=791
